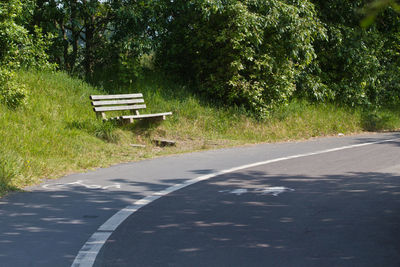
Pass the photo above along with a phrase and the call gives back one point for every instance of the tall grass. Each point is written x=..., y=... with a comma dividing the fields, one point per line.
x=57, y=132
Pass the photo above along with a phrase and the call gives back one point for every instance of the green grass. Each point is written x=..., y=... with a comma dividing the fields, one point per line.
x=57, y=133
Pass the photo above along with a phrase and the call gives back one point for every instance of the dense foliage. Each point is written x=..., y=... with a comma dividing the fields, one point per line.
x=359, y=66
x=95, y=38
x=252, y=53
x=260, y=53
x=18, y=48
x=247, y=53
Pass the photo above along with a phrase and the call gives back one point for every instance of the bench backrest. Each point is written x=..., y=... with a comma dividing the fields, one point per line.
x=104, y=103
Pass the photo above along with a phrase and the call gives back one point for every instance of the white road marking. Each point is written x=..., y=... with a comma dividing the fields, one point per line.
x=116, y=186
x=57, y=186
x=91, y=249
x=87, y=254
x=112, y=223
x=238, y=191
x=275, y=190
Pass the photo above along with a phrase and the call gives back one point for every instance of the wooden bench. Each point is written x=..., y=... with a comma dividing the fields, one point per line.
x=123, y=102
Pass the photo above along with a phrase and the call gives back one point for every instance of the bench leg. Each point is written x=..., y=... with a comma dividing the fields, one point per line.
x=124, y=121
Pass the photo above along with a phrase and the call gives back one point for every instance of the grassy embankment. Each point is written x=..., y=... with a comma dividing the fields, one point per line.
x=57, y=132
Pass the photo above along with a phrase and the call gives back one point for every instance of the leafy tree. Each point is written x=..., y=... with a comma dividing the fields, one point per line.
x=18, y=48
x=248, y=53
x=130, y=37
x=374, y=8
x=252, y=53
x=358, y=65
x=75, y=23
x=95, y=37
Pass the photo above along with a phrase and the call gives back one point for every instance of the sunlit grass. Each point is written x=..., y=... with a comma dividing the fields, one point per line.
x=57, y=132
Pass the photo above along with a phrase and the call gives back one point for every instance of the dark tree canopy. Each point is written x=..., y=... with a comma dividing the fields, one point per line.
x=252, y=53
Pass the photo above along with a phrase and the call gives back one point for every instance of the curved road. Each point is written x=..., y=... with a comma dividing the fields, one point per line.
x=324, y=202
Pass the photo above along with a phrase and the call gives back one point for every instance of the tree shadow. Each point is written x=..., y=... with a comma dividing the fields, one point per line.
x=380, y=140
x=53, y=222
x=346, y=219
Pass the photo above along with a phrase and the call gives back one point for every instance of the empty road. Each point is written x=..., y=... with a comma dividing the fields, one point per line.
x=323, y=202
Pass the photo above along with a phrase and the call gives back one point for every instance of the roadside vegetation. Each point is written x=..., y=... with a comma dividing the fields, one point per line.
x=233, y=72
x=57, y=133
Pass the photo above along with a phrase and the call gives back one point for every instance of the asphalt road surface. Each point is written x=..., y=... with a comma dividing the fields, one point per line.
x=324, y=202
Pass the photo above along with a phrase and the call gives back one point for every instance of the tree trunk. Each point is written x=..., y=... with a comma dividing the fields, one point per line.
x=89, y=51
x=65, y=44
x=75, y=32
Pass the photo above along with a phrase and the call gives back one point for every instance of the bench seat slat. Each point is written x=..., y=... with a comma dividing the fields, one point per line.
x=117, y=102
x=124, y=96
x=115, y=108
x=129, y=102
x=142, y=116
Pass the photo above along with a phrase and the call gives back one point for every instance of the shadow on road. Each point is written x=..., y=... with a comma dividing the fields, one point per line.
x=393, y=135
x=350, y=219
x=52, y=223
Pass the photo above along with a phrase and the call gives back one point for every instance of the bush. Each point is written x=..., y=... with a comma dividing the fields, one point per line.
x=350, y=64
x=11, y=93
x=258, y=54
x=18, y=49
x=358, y=66
x=249, y=53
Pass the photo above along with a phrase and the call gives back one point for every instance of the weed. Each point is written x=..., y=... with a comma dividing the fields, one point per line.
x=106, y=131
x=378, y=121
x=10, y=167
x=80, y=125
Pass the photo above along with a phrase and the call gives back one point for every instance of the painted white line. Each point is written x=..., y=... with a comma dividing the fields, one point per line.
x=275, y=190
x=239, y=191
x=91, y=249
x=58, y=186
x=112, y=223
x=87, y=254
